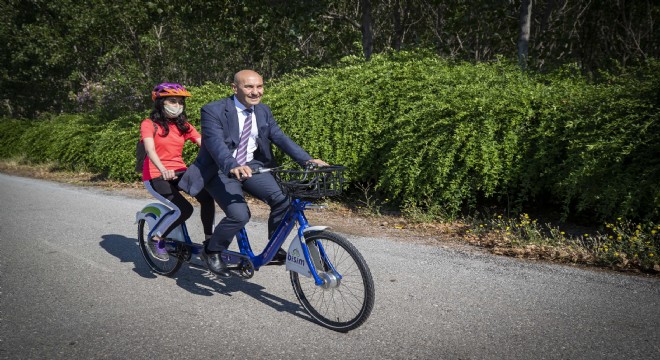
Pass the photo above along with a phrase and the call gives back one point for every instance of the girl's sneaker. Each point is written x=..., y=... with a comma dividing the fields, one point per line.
x=156, y=251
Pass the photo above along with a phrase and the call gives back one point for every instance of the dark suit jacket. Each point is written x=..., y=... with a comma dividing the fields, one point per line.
x=220, y=137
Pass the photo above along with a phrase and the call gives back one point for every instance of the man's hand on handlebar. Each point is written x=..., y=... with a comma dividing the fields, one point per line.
x=318, y=162
x=241, y=172
x=244, y=172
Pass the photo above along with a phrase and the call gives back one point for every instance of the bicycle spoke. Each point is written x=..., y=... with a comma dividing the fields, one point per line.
x=341, y=304
x=167, y=265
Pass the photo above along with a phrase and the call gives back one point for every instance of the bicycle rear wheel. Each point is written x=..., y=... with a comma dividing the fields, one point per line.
x=340, y=304
x=165, y=267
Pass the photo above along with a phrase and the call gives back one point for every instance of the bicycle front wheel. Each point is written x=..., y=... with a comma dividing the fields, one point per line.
x=339, y=304
x=164, y=265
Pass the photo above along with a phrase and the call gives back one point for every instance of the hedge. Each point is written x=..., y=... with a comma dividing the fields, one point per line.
x=430, y=133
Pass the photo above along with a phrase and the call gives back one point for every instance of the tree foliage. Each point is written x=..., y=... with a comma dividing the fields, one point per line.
x=104, y=56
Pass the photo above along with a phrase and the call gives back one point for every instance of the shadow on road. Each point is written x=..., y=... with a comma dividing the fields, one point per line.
x=127, y=250
x=195, y=280
x=204, y=283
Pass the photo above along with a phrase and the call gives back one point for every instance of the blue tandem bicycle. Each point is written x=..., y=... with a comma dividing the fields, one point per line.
x=329, y=275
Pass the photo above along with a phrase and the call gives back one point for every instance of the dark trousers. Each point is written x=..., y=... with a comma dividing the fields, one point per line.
x=168, y=192
x=228, y=193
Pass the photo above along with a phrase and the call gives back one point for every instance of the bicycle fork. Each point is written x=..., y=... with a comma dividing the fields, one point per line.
x=312, y=261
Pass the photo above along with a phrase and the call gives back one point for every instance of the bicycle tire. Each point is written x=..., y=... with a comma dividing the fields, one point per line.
x=168, y=267
x=347, y=306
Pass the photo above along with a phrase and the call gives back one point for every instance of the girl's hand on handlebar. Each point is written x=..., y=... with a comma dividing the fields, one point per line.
x=169, y=175
x=241, y=172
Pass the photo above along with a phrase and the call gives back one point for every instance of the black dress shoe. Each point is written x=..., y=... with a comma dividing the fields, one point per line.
x=279, y=258
x=215, y=264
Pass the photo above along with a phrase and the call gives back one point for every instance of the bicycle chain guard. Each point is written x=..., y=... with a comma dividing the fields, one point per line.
x=243, y=263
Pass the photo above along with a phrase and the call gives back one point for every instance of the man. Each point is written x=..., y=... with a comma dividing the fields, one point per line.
x=237, y=133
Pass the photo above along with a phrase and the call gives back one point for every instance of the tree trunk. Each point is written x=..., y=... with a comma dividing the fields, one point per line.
x=367, y=31
x=523, y=40
x=398, y=26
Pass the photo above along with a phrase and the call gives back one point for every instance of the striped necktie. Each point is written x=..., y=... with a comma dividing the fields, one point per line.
x=241, y=152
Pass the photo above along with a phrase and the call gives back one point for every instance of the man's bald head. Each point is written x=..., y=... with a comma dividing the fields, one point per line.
x=248, y=87
x=242, y=75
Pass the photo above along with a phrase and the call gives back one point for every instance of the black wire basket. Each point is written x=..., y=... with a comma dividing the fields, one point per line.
x=311, y=183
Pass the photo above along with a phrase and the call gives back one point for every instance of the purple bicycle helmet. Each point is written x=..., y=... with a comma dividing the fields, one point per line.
x=169, y=89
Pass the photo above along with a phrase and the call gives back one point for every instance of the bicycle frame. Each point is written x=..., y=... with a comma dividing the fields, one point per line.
x=294, y=215
x=155, y=213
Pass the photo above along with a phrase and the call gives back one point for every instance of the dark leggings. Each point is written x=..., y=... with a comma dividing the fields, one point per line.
x=169, y=190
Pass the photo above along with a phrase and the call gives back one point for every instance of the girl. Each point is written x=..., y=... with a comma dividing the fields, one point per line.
x=164, y=134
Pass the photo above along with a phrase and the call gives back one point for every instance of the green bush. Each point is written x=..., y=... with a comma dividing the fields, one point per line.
x=114, y=148
x=598, y=154
x=434, y=133
x=64, y=139
x=11, y=131
x=430, y=135
x=461, y=145
x=339, y=114
x=615, y=154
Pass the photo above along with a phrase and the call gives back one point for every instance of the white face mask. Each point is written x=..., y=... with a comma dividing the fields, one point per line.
x=172, y=111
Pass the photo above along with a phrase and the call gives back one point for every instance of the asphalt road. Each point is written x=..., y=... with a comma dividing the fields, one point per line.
x=73, y=285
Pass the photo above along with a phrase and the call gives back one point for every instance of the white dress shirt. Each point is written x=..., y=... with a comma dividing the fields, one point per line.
x=252, y=141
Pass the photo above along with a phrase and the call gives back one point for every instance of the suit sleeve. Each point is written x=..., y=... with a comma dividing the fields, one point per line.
x=213, y=138
x=282, y=141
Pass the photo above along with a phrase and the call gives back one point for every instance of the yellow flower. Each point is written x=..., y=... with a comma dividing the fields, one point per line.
x=563, y=233
x=651, y=255
x=653, y=232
